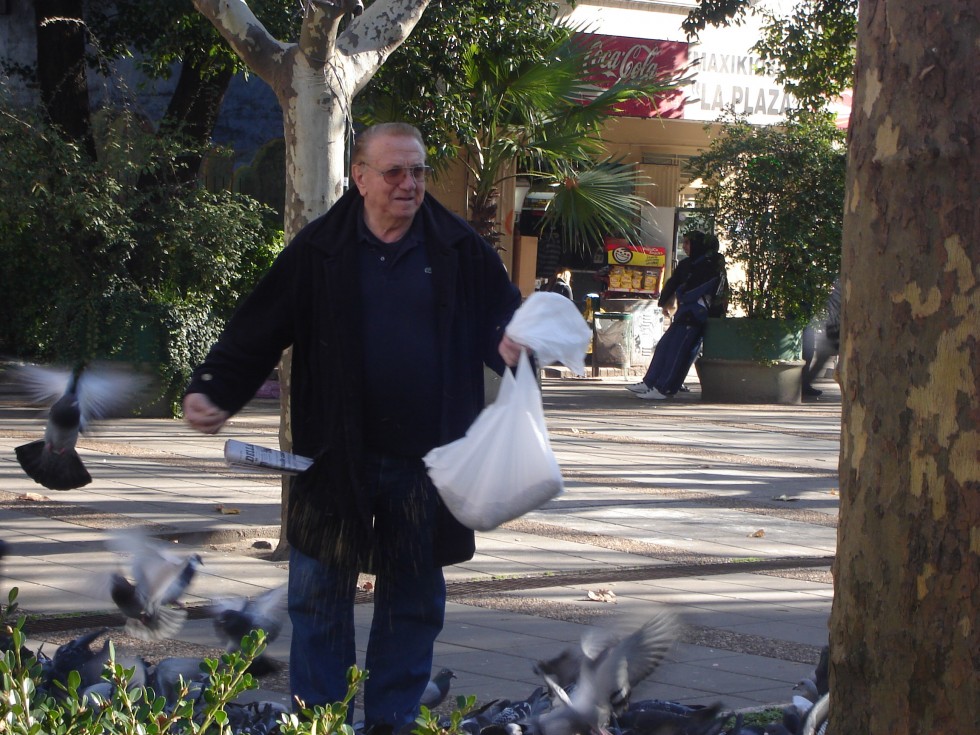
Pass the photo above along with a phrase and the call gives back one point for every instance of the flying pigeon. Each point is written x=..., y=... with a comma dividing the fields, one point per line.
x=79, y=396
x=160, y=577
x=611, y=665
x=437, y=689
x=563, y=669
x=236, y=618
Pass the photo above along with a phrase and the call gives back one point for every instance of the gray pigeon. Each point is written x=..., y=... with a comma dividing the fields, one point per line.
x=437, y=689
x=78, y=655
x=167, y=674
x=236, y=618
x=563, y=669
x=74, y=655
x=79, y=396
x=612, y=664
x=160, y=577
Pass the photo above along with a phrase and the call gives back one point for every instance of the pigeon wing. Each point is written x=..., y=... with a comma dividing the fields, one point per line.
x=154, y=566
x=268, y=610
x=41, y=385
x=646, y=648
x=104, y=391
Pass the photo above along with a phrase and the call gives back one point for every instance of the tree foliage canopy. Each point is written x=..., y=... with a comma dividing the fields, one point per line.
x=777, y=194
x=511, y=96
x=95, y=267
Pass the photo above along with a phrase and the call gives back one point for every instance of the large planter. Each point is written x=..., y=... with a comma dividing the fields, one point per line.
x=751, y=361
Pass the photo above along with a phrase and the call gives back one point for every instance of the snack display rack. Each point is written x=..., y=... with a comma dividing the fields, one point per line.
x=634, y=270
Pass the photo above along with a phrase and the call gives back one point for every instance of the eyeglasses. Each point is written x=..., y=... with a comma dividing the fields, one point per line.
x=395, y=175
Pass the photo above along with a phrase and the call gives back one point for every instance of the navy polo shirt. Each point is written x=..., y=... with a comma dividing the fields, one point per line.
x=403, y=380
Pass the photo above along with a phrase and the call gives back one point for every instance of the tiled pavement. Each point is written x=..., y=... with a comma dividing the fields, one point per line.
x=663, y=502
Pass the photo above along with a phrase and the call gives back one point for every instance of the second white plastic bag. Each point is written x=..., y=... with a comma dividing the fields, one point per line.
x=553, y=329
x=504, y=466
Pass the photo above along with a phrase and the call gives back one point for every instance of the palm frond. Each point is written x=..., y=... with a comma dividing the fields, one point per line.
x=595, y=202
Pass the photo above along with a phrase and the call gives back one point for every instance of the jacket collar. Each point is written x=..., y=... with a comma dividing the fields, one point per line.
x=338, y=227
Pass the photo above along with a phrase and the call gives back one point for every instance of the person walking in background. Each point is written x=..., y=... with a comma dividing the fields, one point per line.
x=560, y=282
x=690, y=290
x=824, y=344
x=387, y=280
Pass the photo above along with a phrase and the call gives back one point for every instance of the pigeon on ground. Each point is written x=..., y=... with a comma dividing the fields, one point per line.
x=96, y=694
x=807, y=689
x=79, y=396
x=815, y=687
x=524, y=711
x=671, y=717
x=166, y=676
x=437, y=689
x=160, y=577
x=74, y=655
x=236, y=618
x=612, y=664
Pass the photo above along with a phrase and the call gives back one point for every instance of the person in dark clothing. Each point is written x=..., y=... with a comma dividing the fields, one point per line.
x=821, y=345
x=692, y=287
x=560, y=282
x=386, y=279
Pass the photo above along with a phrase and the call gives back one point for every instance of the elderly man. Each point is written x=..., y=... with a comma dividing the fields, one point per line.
x=392, y=305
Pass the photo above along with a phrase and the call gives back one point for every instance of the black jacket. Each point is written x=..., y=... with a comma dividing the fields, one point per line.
x=309, y=300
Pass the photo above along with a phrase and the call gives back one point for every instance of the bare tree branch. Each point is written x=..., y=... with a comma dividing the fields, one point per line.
x=237, y=24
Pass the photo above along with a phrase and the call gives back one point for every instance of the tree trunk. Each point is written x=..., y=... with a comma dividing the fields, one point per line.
x=193, y=110
x=61, y=68
x=905, y=636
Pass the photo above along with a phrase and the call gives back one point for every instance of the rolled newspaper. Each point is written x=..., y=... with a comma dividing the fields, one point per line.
x=254, y=457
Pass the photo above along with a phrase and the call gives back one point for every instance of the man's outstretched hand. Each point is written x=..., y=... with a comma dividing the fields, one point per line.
x=201, y=414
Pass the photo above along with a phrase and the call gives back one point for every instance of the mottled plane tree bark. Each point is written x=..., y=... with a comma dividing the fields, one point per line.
x=905, y=630
x=315, y=79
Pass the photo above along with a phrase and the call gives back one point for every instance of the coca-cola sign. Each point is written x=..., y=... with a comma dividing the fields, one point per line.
x=611, y=58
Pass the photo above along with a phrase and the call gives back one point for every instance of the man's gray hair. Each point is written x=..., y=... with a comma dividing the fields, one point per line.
x=398, y=129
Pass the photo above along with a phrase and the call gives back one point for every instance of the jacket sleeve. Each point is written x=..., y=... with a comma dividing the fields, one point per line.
x=253, y=340
x=676, y=279
x=502, y=299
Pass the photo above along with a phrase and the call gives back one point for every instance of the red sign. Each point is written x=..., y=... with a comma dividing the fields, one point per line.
x=612, y=58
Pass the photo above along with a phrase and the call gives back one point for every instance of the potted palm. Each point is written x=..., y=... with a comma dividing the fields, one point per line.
x=776, y=196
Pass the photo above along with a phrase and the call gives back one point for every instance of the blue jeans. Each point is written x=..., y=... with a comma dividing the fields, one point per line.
x=409, y=603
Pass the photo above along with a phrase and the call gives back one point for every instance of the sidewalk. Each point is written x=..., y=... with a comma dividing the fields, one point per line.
x=726, y=513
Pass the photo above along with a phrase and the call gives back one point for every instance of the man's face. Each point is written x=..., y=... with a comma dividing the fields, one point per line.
x=390, y=204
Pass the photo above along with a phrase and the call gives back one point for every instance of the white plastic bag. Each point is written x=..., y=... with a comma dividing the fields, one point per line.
x=552, y=327
x=504, y=466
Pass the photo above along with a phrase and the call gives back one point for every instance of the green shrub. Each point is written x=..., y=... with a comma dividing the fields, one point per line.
x=775, y=194
x=26, y=708
x=107, y=259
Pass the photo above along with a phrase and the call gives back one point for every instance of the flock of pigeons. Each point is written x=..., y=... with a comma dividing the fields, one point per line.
x=585, y=690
